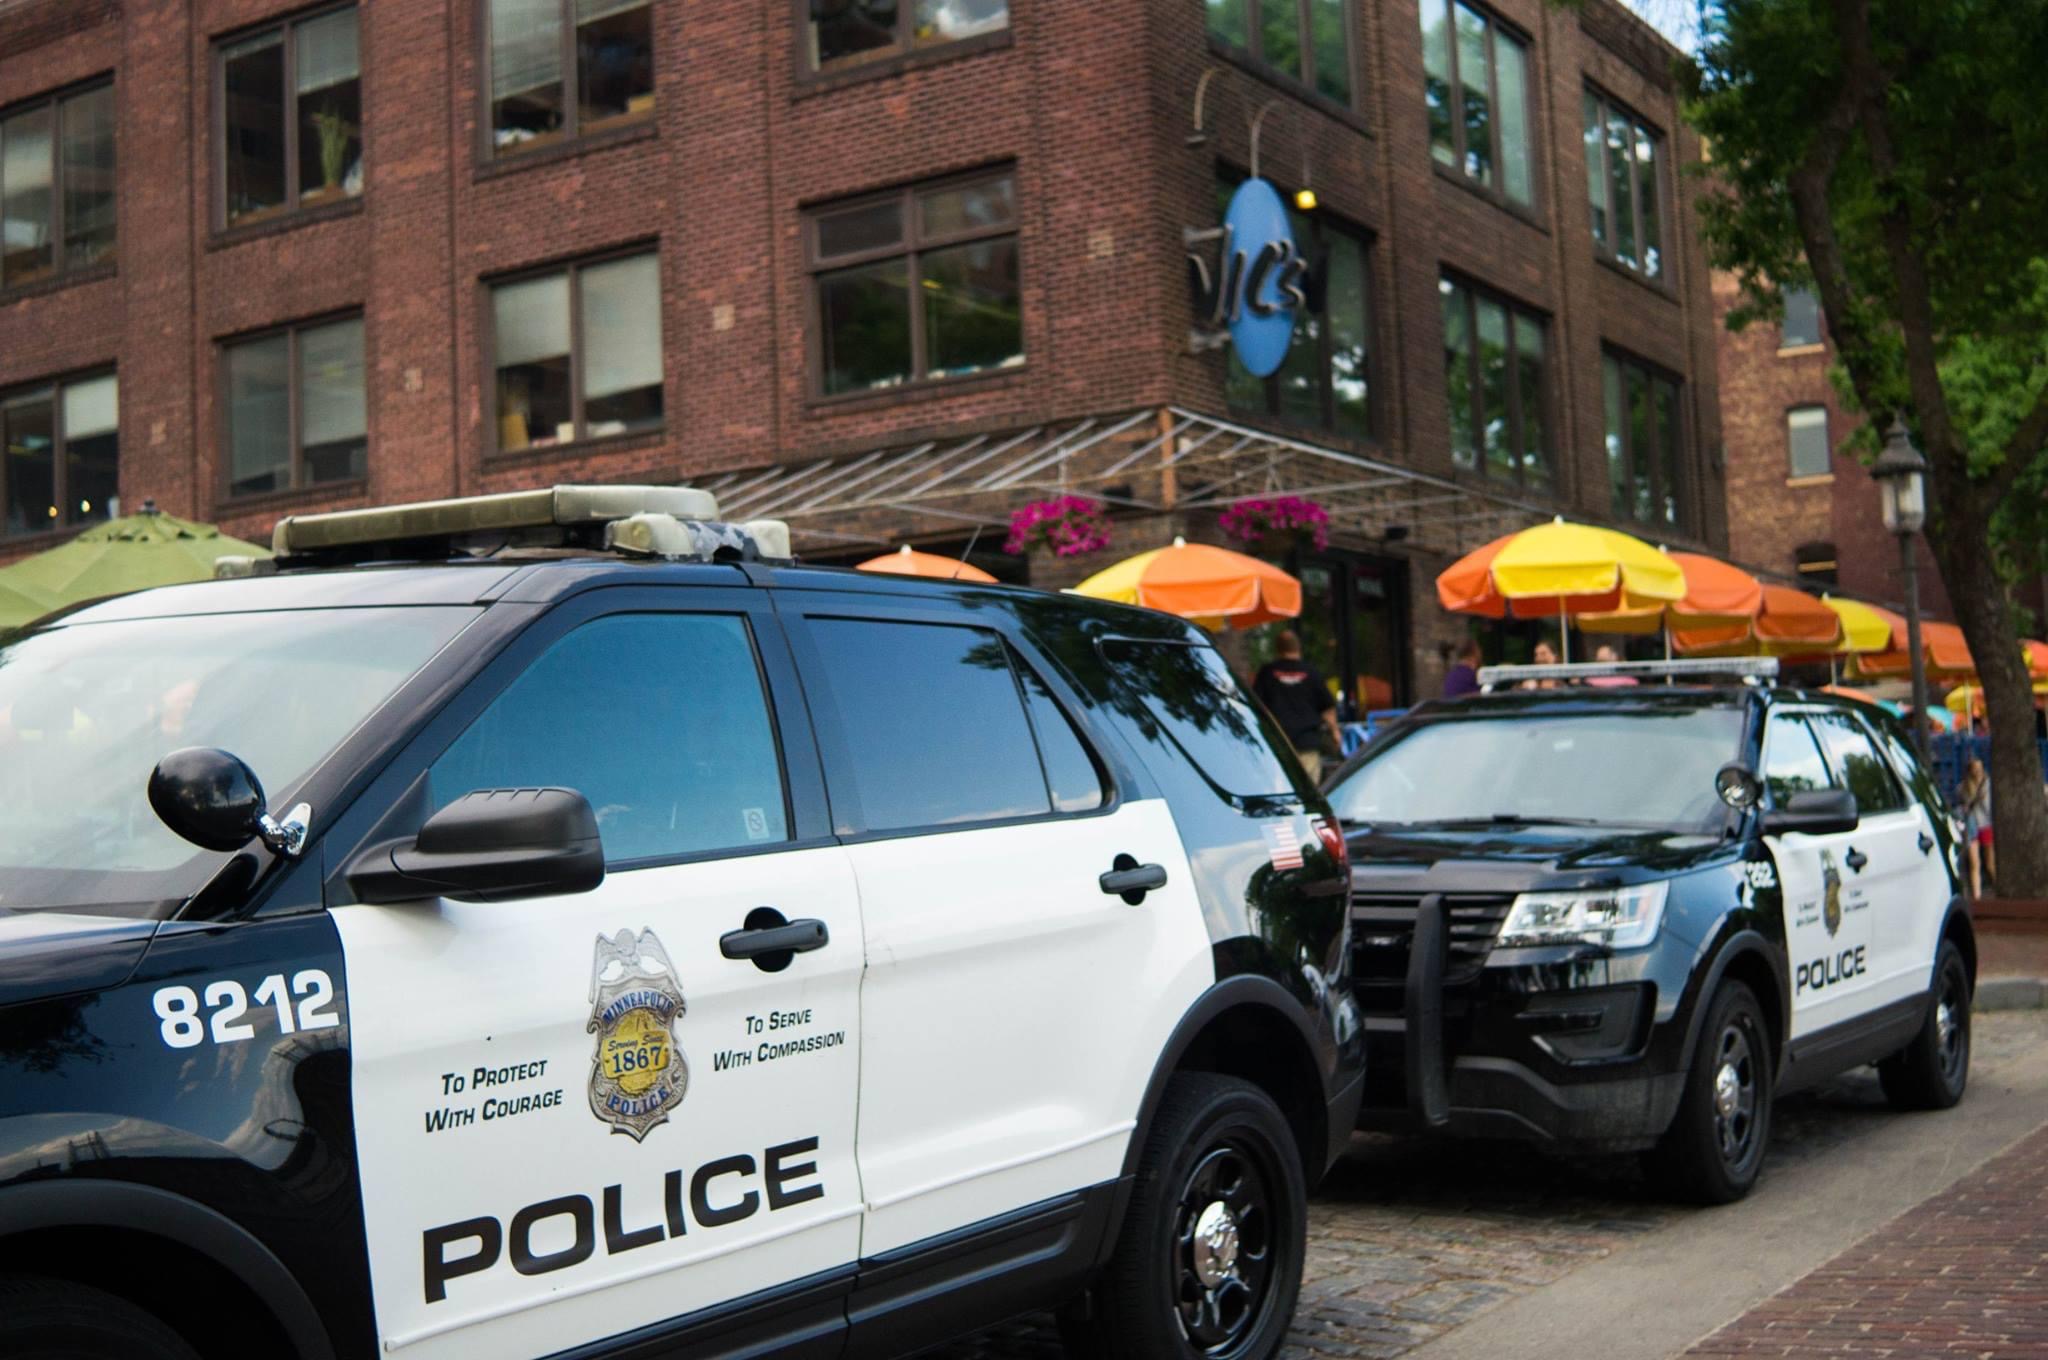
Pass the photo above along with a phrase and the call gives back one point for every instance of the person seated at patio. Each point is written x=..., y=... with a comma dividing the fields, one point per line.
x=1463, y=676
x=1607, y=653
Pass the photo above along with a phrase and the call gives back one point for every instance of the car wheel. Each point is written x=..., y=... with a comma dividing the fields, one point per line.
x=1715, y=1145
x=1209, y=1260
x=1931, y=1072
x=57, y=1320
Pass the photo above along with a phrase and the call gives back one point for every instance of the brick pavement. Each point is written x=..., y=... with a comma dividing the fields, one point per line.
x=1964, y=1274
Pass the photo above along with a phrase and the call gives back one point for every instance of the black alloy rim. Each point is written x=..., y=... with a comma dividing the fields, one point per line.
x=1736, y=1091
x=1226, y=1244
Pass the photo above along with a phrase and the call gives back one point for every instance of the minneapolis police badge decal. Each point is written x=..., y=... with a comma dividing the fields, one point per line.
x=1831, y=881
x=638, y=1072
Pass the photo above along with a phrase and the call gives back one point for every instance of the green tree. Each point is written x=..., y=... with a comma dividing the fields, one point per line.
x=1895, y=153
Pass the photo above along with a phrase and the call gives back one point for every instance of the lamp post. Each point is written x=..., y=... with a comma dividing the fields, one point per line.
x=1901, y=476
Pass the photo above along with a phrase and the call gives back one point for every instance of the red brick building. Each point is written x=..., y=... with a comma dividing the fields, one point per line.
x=886, y=268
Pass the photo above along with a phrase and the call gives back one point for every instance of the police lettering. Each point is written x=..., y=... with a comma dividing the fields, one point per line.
x=1829, y=970
x=719, y=1192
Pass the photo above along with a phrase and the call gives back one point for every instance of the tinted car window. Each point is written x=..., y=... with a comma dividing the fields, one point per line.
x=1862, y=769
x=660, y=720
x=1792, y=759
x=1070, y=772
x=1190, y=692
x=933, y=725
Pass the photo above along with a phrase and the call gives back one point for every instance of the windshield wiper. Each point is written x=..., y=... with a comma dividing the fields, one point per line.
x=1517, y=819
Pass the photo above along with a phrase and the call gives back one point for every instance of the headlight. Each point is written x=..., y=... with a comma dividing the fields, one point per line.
x=1621, y=918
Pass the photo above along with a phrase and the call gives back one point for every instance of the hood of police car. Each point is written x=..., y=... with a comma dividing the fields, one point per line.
x=46, y=953
x=1536, y=847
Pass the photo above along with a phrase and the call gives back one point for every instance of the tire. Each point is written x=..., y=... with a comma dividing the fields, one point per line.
x=1931, y=1072
x=1715, y=1146
x=43, y=1319
x=1208, y=1263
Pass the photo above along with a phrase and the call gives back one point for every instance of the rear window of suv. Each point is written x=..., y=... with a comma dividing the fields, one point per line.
x=1190, y=692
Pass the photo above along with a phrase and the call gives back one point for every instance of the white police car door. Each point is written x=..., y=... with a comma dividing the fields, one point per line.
x=1012, y=1011
x=1828, y=919
x=575, y=1116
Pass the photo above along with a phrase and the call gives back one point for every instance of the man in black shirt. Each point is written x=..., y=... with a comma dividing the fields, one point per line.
x=1300, y=701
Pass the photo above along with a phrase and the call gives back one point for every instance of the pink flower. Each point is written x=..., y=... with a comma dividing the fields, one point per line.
x=1068, y=525
x=1251, y=520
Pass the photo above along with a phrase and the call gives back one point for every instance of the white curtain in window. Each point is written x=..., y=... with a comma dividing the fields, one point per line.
x=526, y=45
x=331, y=402
x=621, y=326
x=89, y=408
x=530, y=320
x=327, y=51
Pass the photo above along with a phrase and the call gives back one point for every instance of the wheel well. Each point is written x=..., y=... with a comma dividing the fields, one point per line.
x=192, y=1294
x=1959, y=929
x=1255, y=1043
x=1754, y=972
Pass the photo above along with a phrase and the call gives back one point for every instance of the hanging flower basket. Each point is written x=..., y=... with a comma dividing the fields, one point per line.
x=1276, y=523
x=1065, y=526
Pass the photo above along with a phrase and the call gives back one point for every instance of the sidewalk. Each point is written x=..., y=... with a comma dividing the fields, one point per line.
x=2012, y=954
x=1964, y=1274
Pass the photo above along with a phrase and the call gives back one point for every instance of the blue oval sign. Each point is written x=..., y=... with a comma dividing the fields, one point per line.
x=1262, y=273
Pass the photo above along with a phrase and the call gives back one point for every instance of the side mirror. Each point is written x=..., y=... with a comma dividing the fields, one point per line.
x=1738, y=786
x=492, y=845
x=1814, y=812
x=214, y=800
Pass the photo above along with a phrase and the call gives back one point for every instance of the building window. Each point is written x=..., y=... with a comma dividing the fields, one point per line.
x=1622, y=186
x=62, y=450
x=1307, y=39
x=1475, y=81
x=57, y=186
x=291, y=117
x=578, y=352
x=848, y=33
x=1496, y=385
x=1326, y=379
x=561, y=69
x=295, y=407
x=1802, y=319
x=1645, y=441
x=1817, y=563
x=1806, y=436
x=918, y=284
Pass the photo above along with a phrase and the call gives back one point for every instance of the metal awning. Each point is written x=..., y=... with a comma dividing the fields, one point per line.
x=1154, y=459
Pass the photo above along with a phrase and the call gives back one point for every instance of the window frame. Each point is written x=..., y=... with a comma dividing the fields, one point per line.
x=913, y=245
x=1817, y=718
x=573, y=131
x=1497, y=190
x=1304, y=79
x=292, y=209
x=1681, y=469
x=1604, y=250
x=574, y=269
x=899, y=54
x=294, y=399
x=59, y=440
x=54, y=100
x=1792, y=472
x=1474, y=291
x=1270, y=405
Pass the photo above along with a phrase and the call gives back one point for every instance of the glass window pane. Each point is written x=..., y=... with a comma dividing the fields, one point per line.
x=259, y=416
x=330, y=109
x=530, y=330
x=622, y=360
x=938, y=21
x=1668, y=488
x=1350, y=322
x=1535, y=444
x=91, y=450
x=1242, y=388
x=1475, y=82
x=1806, y=431
x=252, y=117
x=89, y=178
x=1863, y=771
x=669, y=769
x=1492, y=321
x=1647, y=227
x=1458, y=374
x=848, y=32
x=952, y=747
x=1792, y=759
x=614, y=61
x=1436, y=78
x=89, y=407
x=965, y=207
x=864, y=326
x=1331, y=49
x=1299, y=381
x=1190, y=693
x=1596, y=167
x=28, y=487
x=1515, y=179
x=1226, y=20
x=867, y=226
x=1802, y=318
x=332, y=409
x=1620, y=158
x=1070, y=772
x=526, y=72
x=1642, y=504
x=1280, y=35
x=1617, y=436
x=973, y=310
x=26, y=250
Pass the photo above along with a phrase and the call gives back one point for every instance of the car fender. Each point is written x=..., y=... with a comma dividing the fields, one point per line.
x=1737, y=945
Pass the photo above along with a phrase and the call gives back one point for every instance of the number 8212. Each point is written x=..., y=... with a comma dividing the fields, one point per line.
x=226, y=1002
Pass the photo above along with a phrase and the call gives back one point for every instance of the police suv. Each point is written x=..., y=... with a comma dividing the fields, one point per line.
x=1625, y=918
x=651, y=947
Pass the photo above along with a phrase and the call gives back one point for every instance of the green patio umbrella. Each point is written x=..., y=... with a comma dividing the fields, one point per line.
x=130, y=553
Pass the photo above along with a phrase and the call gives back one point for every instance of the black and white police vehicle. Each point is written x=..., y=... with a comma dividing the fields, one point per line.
x=1625, y=918
x=653, y=948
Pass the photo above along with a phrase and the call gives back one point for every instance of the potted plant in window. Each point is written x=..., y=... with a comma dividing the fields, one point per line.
x=334, y=132
x=1273, y=526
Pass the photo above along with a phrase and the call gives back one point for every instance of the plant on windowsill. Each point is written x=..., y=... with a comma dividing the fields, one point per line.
x=1271, y=525
x=1065, y=526
x=334, y=132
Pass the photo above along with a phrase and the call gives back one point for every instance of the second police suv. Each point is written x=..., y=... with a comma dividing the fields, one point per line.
x=1622, y=918
x=652, y=948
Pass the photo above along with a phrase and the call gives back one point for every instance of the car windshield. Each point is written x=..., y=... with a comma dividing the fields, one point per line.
x=86, y=712
x=1647, y=767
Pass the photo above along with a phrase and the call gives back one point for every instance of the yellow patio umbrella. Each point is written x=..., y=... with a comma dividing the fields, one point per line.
x=1213, y=586
x=1560, y=569
x=1864, y=627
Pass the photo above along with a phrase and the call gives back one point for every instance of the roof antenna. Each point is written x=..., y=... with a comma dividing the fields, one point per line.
x=972, y=539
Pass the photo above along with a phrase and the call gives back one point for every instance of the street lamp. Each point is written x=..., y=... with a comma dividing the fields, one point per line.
x=1901, y=476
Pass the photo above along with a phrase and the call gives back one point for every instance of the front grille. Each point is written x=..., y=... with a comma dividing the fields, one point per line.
x=1383, y=924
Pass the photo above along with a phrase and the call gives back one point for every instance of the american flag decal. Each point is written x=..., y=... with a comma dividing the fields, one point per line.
x=1283, y=846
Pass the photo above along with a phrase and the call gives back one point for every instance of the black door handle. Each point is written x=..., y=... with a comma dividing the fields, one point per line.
x=1131, y=880
x=1926, y=843
x=770, y=941
x=1856, y=859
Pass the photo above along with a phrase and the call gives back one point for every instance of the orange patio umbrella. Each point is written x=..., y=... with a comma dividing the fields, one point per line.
x=1717, y=595
x=1560, y=569
x=1948, y=655
x=1790, y=623
x=908, y=561
x=1213, y=586
x=2037, y=658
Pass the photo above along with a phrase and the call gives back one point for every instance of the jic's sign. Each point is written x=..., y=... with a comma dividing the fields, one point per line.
x=1250, y=297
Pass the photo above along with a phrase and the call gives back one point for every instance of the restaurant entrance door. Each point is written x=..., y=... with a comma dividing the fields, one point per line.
x=1353, y=627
